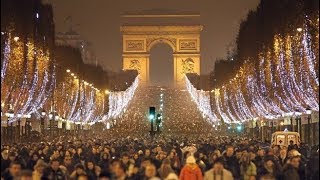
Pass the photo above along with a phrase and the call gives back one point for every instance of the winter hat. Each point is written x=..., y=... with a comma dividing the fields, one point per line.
x=172, y=176
x=191, y=160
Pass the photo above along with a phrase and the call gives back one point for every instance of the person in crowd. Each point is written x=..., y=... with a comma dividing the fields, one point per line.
x=270, y=168
x=13, y=171
x=258, y=161
x=314, y=163
x=68, y=165
x=25, y=174
x=175, y=161
x=248, y=170
x=55, y=172
x=200, y=163
x=290, y=171
x=141, y=171
x=165, y=169
x=79, y=170
x=104, y=163
x=32, y=161
x=218, y=171
x=91, y=170
x=5, y=161
x=283, y=159
x=150, y=173
x=292, y=146
x=191, y=170
x=125, y=159
x=119, y=171
x=172, y=176
x=105, y=176
x=38, y=169
x=231, y=162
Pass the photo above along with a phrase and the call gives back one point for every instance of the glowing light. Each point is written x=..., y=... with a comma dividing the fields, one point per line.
x=68, y=70
x=16, y=38
x=239, y=128
x=299, y=29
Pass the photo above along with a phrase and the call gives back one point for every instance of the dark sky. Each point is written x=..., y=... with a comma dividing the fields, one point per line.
x=100, y=21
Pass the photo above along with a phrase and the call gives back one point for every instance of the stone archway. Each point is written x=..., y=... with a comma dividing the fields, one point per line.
x=184, y=41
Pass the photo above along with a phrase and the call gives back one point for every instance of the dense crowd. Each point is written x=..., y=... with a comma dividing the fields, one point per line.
x=159, y=158
x=188, y=151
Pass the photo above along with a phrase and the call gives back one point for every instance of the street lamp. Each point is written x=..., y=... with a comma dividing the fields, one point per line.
x=16, y=38
x=298, y=120
x=28, y=125
x=291, y=114
x=309, y=111
x=51, y=115
x=43, y=114
x=19, y=126
x=9, y=114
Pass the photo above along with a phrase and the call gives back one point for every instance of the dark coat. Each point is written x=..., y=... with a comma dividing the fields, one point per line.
x=290, y=173
x=232, y=164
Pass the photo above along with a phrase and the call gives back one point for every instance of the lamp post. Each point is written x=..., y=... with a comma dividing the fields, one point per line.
x=9, y=114
x=43, y=114
x=298, y=121
x=278, y=119
x=19, y=127
x=28, y=125
x=50, y=123
x=55, y=118
x=309, y=111
x=291, y=114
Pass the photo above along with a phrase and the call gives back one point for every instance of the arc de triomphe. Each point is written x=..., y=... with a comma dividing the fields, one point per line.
x=183, y=39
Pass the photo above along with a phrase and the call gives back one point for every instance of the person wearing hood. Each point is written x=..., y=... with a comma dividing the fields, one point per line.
x=191, y=170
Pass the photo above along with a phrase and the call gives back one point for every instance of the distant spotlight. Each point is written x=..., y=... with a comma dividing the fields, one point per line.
x=16, y=38
x=37, y=15
x=239, y=128
x=299, y=29
x=68, y=70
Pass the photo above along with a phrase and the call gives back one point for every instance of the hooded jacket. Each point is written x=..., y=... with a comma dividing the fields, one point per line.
x=191, y=172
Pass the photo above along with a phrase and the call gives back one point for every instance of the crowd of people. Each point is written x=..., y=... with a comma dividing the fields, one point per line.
x=161, y=157
x=186, y=149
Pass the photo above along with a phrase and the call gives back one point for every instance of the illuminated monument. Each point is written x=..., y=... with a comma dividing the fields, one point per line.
x=181, y=31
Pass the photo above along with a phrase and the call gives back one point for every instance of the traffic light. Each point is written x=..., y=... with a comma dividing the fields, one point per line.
x=152, y=113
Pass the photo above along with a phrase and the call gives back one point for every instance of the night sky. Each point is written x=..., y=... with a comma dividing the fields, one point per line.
x=99, y=22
